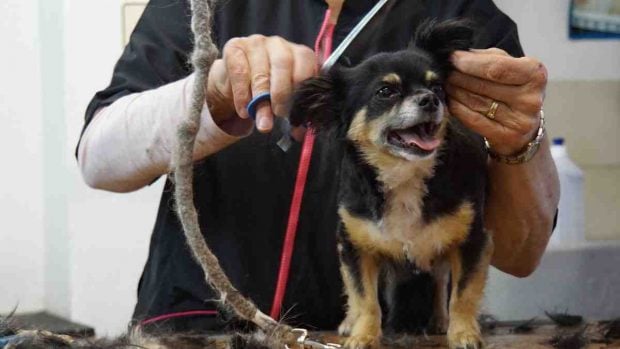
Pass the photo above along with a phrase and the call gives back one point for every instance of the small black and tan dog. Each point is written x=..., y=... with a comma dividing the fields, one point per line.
x=412, y=184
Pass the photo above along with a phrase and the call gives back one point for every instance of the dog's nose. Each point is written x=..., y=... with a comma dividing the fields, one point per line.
x=428, y=102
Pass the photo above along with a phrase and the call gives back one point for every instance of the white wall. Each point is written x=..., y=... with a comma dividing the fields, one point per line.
x=56, y=179
x=21, y=177
x=543, y=30
x=64, y=247
x=109, y=232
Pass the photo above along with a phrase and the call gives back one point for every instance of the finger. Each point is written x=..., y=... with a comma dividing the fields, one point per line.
x=504, y=140
x=219, y=79
x=512, y=119
x=219, y=92
x=472, y=119
x=260, y=80
x=478, y=103
x=306, y=65
x=238, y=68
x=490, y=50
x=498, y=68
x=281, y=61
x=493, y=90
x=298, y=133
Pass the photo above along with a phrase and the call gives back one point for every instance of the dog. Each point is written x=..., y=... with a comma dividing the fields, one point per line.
x=412, y=183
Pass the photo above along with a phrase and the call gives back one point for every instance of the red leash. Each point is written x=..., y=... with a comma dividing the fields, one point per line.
x=325, y=37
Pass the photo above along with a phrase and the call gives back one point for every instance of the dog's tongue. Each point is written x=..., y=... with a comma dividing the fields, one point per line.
x=424, y=141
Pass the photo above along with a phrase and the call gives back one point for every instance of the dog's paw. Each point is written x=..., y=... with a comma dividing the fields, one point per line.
x=465, y=340
x=346, y=326
x=364, y=341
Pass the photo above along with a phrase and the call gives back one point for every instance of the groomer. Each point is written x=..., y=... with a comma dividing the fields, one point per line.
x=244, y=181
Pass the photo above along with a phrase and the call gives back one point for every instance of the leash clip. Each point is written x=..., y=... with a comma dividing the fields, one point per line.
x=305, y=342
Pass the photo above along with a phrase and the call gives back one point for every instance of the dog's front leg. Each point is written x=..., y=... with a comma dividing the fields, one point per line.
x=468, y=282
x=363, y=321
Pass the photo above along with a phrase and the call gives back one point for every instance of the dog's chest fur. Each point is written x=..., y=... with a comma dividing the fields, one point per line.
x=394, y=224
x=404, y=189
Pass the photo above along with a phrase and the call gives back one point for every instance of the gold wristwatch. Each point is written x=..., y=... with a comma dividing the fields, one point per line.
x=527, y=153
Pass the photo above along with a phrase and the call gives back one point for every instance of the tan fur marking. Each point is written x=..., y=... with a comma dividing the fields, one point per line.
x=357, y=130
x=391, y=78
x=403, y=235
x=430, y=76
x=366, y=329
x=354, y=301
x=464, y=304
x=434, y=239
x=367, y=237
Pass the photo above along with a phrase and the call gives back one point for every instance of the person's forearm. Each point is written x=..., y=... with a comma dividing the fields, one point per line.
x=129, y=143
x=520, y=210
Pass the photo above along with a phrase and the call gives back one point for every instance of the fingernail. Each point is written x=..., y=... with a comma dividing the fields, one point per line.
x=263, y=123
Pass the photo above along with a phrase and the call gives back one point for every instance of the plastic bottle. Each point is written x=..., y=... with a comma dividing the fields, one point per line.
x=570, y=229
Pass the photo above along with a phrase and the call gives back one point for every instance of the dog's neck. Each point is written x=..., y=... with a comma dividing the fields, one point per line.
x=404, y=173
x=393, y=172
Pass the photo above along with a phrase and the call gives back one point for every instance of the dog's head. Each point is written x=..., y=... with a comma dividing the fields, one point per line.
x=392, y=103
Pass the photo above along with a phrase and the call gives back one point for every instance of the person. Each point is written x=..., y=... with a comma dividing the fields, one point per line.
x=244, y=182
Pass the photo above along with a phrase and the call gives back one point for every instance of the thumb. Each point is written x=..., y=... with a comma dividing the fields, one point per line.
x=219, y=92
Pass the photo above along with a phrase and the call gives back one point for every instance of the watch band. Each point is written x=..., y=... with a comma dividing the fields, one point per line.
x=524, y=155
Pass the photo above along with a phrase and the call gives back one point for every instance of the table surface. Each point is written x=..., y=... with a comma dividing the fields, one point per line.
x=503, y=337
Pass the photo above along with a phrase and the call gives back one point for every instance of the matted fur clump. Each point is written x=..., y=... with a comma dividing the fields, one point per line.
x=15, y=338
x=12, y=336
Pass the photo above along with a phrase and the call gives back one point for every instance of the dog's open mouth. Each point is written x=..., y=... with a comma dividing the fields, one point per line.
x=422, y=136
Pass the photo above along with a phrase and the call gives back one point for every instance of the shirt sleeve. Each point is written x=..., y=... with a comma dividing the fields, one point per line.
x=130, y=127
x=494, y=28
x=129, y=143
x=157, y=54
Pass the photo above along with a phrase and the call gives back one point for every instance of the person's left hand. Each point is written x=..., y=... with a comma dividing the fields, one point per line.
x=516, y=84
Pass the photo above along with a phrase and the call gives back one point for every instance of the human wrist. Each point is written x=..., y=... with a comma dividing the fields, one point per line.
x=525, y=153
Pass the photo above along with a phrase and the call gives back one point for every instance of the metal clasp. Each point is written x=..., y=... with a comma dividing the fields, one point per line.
x=305, y=342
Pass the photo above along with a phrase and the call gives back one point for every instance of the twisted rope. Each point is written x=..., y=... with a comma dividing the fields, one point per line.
x=204, y=54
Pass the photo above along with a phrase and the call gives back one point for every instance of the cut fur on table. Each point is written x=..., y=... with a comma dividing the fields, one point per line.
x=12, y=337
x=524, y=327
x=565, y=319
x=576, y=340
x=611, y=329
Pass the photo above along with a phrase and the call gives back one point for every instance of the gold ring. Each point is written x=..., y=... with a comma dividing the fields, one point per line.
x=492, y=110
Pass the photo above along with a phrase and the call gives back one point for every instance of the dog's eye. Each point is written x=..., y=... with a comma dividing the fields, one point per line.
x=438, y=90
x=387, y=92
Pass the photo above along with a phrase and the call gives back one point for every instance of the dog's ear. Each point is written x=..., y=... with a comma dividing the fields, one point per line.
x=441, y=39
x=315, y=103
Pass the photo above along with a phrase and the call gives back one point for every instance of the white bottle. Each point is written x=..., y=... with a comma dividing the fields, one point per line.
x=570, y=229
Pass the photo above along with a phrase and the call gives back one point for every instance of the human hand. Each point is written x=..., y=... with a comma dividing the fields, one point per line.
x=251, y=66
x=516, y=84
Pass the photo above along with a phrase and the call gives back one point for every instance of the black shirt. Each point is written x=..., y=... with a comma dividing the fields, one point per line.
x=243, y=192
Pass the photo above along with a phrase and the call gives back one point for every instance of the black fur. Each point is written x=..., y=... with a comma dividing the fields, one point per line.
x=440, y=39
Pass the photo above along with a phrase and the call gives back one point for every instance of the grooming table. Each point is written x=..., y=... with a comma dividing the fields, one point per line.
x=52, y=323
x=502, y=337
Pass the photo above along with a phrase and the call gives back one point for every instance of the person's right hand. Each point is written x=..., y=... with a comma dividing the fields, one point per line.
x=251, y=66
